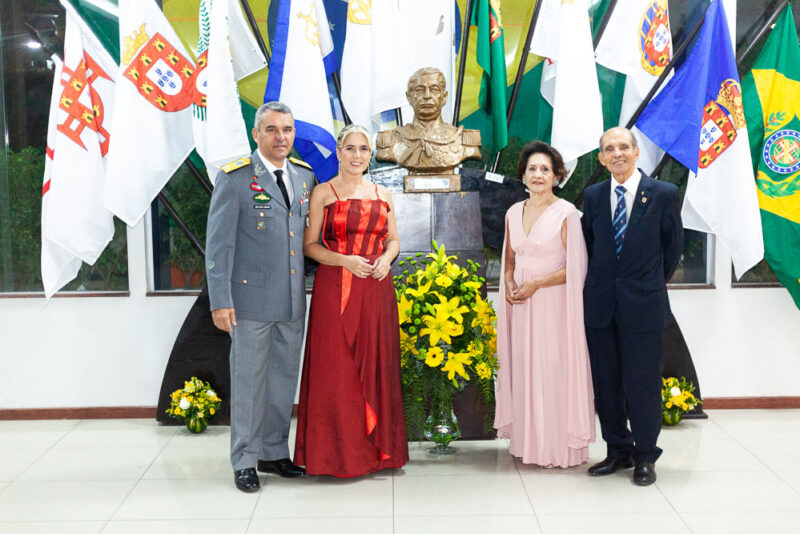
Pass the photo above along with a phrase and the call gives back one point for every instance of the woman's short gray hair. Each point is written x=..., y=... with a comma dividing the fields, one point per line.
x=280, y=107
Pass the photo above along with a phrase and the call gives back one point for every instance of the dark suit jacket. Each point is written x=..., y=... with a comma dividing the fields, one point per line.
x=633, y=288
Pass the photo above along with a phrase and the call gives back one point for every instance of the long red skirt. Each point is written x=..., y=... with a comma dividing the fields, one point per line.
x=350, y=420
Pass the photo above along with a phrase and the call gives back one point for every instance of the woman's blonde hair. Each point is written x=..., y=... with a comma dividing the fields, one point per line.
x=352, y=128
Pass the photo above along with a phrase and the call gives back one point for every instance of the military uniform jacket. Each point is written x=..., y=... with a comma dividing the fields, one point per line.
x=254, y=243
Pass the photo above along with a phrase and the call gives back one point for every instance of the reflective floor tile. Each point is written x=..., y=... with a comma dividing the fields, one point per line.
x=33, y=434
x=758, y=424
x=792, y=478
x=204, y=526
x=214, y=437
x=53, y=527
x=630, y=523
x=322, y=525
x=778, y=454
x=62, y=500
x=708, y=455
x=484, y=457
x=582, y=494
x=743, y=523
x=117, y=433
x=91, y=464
x=469, y=494
x=187, y=499
x=726, y=491
x=191, y=463
x=14, y=461
x=461, y=524
x=326, y=497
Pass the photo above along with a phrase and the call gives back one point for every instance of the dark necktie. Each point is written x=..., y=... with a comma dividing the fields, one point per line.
x=282, y=186
x=620, y=221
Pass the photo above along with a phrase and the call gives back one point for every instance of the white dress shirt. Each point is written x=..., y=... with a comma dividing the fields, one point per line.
x=630, y=185
x=272, y=168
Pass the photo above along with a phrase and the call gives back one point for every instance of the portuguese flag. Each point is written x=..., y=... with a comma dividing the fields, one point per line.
x=771, y=94
x=491, y=58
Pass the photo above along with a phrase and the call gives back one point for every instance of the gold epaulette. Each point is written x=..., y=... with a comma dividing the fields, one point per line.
x=300, y=162
x=233, y=165
x=471, y=138
x=385, y=139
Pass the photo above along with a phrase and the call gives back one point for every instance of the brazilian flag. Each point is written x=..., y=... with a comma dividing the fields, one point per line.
x=771, y=93
x=491, y=58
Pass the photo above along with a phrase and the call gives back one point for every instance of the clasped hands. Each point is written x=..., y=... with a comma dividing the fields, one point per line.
x=518, y=294
x=362, y=268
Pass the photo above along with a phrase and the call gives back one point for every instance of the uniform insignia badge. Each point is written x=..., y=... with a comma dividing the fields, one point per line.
x=261, y=225
x=262, y=197
x=300, y=162
x=259, y=168
x=233, y=165
x=255, y=187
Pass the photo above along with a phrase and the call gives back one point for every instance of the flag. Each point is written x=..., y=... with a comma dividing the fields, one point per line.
x=772, y=109
x=431, y=29
x=491, y=57
x=569, y=77
x=302, y=60
x=375, y=67
x=226, y=52
x=76, y=226
x=698, y=119
x=637, y=42
x=152, y=110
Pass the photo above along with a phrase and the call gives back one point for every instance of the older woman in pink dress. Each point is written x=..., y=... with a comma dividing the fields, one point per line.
x=544, y=399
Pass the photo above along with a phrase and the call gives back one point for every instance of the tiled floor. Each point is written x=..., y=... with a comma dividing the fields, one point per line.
x=737, y=472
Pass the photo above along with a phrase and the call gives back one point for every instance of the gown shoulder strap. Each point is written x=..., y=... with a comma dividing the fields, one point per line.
x=334, y=191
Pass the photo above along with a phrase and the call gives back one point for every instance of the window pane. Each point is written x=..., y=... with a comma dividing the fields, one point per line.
x=760, y=274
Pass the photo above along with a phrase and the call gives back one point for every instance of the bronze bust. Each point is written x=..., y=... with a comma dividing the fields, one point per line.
x=429, y=147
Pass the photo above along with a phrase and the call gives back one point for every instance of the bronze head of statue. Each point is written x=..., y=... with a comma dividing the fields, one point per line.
x=428, y=146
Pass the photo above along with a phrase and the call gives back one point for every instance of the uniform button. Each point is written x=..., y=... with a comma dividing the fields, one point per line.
x=244, y=281
x=291, y=253
x=290, y=214
x=292, y=271
x=291, y=234
x=260, y=213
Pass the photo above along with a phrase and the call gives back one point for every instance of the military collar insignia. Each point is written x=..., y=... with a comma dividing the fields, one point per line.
x=262, y=197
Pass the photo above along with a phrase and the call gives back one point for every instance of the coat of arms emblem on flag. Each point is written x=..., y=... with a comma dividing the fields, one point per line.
x=76, y=83
x=782, y=152
x=655, y=38
x=160, y=73
x=721, y=118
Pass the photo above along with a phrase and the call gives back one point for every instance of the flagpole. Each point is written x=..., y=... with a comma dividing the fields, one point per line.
x=739, y=60
x=523, y=60
x=198, y=176
x=462, y=64
x=656, y=86
x=177, y=218
x=606, y=17
x=337, y=84
x=251, y=20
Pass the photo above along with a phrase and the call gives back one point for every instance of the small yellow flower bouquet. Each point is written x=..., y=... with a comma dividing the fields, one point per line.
x=447, y=334
x=676, y=398
x=195, y=404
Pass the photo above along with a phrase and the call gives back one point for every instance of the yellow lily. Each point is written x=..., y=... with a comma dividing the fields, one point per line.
x=455, y=365
x=452, y=308
x=439, y=327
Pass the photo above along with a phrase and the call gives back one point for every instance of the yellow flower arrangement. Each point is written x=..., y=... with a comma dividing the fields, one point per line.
x=195, y=403
x=676, y=398
x=447, y=333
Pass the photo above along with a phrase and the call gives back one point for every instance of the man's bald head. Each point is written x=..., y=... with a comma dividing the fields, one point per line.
x=619, y=129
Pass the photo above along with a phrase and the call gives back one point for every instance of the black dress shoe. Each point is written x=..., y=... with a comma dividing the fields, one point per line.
x=246, y=480
x=644, y=474
x=610, y=465
x=283, y=467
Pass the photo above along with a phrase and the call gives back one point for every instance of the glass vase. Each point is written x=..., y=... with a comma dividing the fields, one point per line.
x=196, y=424
x=441, y=426
x=671, y=417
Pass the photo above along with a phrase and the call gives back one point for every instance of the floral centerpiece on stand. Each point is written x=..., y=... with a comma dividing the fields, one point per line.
x=447, y=340
x=195, y=404
x=676, y=398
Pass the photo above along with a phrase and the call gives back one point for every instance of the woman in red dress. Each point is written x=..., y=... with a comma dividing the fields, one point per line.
x=350, y=420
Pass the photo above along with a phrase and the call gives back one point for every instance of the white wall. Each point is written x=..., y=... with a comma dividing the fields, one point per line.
x=112, y=351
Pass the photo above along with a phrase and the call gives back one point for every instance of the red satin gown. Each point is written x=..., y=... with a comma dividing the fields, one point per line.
x=350, y=420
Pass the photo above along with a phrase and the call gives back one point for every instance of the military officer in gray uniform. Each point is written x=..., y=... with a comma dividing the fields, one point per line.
x=254, y=255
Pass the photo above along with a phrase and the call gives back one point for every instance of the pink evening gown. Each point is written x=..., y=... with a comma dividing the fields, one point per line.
x=545, y=404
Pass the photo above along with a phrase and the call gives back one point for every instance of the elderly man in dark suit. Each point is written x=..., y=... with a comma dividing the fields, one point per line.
x=254, y=255
x=634, y=238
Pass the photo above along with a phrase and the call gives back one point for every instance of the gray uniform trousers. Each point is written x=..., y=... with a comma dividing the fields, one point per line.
x=263, y=354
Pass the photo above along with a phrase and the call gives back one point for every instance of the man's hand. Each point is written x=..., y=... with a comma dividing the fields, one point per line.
x=224, y=319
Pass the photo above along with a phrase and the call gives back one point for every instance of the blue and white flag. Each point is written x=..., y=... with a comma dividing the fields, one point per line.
x=302, y=60
x=698, y=119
